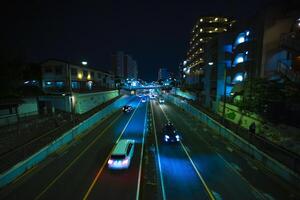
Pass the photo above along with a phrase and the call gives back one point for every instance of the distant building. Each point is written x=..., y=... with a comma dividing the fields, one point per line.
x=130, y=67
x=60, y=76
x=124, y=65
x=118, y=64
x=163, y=73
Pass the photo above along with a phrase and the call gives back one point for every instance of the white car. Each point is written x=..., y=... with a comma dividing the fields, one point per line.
x=144, y=100
x=121, y=155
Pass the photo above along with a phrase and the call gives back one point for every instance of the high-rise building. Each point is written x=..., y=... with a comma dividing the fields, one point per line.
x=124, y=66
x=130, y=67
x=204, y=30
x=163, y=73
x=118, y=64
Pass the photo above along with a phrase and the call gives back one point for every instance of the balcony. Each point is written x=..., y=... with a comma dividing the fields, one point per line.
x=290, y=41
x=284, y=68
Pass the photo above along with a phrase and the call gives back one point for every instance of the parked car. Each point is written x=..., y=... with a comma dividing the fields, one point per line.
x=127, y=108
x=121, y=155
x=170, y=134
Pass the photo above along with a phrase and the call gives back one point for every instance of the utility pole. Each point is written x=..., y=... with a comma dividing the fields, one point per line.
x=69, y=89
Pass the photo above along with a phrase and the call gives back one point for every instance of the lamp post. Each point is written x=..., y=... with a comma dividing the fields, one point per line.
x=224, y=94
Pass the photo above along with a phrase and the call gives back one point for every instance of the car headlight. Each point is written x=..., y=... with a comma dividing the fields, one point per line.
x=166, y=136
x=177, y=136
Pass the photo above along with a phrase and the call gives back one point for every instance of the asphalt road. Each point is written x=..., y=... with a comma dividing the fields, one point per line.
x=75, y=171
x=202, y=166
x=204, y=163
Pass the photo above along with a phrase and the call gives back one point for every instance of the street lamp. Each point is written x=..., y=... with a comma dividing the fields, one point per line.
x=84, y=63
x=225, y=84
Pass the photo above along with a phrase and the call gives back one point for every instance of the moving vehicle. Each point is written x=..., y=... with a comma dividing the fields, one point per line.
x=144, y=100
x=170, y=134
x=127, y=108
x=161, y=100
x=121, y=155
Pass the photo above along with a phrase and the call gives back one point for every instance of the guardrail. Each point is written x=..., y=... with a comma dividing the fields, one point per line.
x=281, y=170
x=8, y=176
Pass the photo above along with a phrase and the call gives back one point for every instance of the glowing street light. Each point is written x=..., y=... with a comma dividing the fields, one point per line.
x=84, y=62
x=210, y=63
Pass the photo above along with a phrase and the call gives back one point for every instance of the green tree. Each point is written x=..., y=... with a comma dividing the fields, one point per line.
x=262, y=97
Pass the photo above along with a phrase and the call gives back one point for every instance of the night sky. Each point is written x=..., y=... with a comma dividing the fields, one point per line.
x=156, y=34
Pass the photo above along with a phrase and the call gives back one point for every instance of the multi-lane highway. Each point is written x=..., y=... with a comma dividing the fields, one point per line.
x=201, y=166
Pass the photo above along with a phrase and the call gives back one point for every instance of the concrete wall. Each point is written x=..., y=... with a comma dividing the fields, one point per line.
x=88, y=101
x=29, y=107
x=233, y=114
x=83, y=101
x=187, y=95
x=10, y=175
x=58, y=102
x=276, y=167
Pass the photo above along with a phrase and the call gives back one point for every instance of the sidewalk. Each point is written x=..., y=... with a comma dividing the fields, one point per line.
x=18, y=144
x=281, y=154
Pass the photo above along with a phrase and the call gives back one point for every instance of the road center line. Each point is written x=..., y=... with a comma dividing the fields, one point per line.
x=105, y=162
x=211, y=196
x=159, y=164
x=141, y=158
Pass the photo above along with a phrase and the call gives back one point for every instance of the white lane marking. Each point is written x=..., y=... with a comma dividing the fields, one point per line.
x=236, y=167
x=217, y=195
x=254, y=190
x=211, y=196
x=105, y=162
x=159, y=164
x=229, y=149
x=137, y=197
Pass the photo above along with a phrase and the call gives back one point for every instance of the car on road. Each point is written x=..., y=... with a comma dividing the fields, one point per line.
x=127, y=108
x=170, y=134
x=121, y=155
x=144, y=99
x=161, y=100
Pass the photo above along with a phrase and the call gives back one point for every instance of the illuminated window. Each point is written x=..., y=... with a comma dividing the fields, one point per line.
x=239, y=59
x=241, y=38
x=239, y=77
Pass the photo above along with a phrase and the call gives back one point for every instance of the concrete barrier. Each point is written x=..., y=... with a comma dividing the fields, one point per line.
x=11, y=174
x=272, y=164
